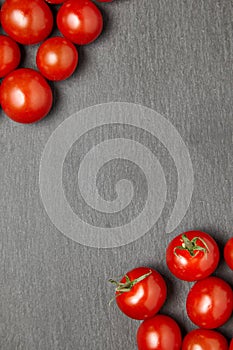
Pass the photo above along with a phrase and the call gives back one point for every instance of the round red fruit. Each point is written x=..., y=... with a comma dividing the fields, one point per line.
x=26, y=96
x=159, y=333
x=141, y=293
x=55, y=1
x=209, y=302
x=80, y=21
x=192, y=255
x=204, y=339
x=57, y=58
x=10, y=55
x=28, y=21
x=228, y=253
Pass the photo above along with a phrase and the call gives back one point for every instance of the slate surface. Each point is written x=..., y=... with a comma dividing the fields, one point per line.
x=176, y=58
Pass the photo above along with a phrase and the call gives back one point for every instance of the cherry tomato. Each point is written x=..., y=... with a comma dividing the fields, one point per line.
x=192, y=255
x=228, y=253
x=10, y=55
x=209, y=302
x=231, y=345
x=57, y=58
x=55, y=1
x=204, y=339
x=27, y=21
x=159, y=333
x=141, y=293
x=26, y=96
x=80, y=21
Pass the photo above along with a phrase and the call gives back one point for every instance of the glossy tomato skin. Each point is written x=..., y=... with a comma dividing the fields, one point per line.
x=204, y=339
x=159, y=333
x=28, y=21
x=145, y=298
x=57, y=58
x=209, y=302
x=10, y=55
x=80, y=21
x=192, y=268
x=55, y=1
x=228, y=253
x=25, y=95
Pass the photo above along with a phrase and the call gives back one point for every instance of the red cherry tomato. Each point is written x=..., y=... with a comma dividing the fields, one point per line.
x=192, y=255
x=228, y=253
x=209, y=302
x=10, y=55
x=26, y=96
x=159, y=333
x=27, y=21
x=141, y=293
x=57, y=58
x=80, y=21
x=55, y=1
x=204, y=339
x=231, y=345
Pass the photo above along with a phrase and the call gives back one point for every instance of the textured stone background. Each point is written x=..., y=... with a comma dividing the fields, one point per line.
x=174, y=56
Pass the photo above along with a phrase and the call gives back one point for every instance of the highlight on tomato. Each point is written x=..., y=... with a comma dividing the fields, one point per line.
x=28, y=21
x=10, y=55
x=57, y=58
x=204, y=339
x=25, y=96
x=159, y=333
x=55, y=2
x=80, y=21
x=228, y=253
x=141, y=293
x=192, y=255
x=209, y=303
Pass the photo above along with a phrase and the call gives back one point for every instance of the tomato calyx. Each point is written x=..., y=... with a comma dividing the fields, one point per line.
x=191, y=245
x=124, y=287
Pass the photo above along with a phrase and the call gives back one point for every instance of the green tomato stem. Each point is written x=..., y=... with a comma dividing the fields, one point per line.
x=191, y=245
x=128, y=285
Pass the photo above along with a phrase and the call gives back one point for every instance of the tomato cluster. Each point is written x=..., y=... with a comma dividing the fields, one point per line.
x=25, y=95
x=191, y=256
